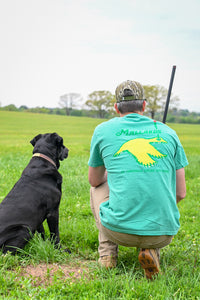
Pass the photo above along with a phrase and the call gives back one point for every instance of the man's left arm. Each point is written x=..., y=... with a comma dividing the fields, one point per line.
x=97, y=175
x=180, y=185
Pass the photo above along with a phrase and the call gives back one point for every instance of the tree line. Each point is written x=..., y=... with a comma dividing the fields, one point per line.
x=100, y=104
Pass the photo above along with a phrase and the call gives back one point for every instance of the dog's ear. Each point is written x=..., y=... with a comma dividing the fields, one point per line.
x=58, y=139
x=35, y=139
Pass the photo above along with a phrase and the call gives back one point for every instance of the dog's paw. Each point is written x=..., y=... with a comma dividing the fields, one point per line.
x=67, y=250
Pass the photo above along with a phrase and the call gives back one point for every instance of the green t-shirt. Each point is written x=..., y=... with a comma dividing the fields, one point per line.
x=141, y=157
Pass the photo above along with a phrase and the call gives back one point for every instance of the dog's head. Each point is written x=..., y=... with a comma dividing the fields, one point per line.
x=51, y=145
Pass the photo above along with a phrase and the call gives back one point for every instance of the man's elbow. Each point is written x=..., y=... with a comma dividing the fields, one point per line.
x=93, y=182
x=97, y=176
x=181, y=193
x=180, y=196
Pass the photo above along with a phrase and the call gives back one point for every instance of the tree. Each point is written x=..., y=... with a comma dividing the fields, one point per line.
x=70, y=101
x=23, y=107
x=156, y=97
x=10, y=107
x=101, y=102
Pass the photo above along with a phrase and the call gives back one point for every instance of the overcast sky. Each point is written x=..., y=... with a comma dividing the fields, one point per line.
x=53, y=47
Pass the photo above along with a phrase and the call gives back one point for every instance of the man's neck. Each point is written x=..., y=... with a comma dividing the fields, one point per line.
x=134, y=112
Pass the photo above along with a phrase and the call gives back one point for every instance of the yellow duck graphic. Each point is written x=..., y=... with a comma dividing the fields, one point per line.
x=142, y=150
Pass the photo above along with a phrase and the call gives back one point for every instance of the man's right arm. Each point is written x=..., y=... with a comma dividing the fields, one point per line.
x=180, y=185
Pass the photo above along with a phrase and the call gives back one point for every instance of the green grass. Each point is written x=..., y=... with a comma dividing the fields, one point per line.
x=180, y=261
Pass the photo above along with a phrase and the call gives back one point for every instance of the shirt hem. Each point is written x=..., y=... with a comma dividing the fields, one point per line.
x=141, y=232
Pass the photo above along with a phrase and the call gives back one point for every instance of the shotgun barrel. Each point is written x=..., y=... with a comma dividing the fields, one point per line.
x=169, y=94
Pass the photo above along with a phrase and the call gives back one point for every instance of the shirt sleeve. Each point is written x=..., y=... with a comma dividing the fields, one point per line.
x=95, y=159
x=180, y=158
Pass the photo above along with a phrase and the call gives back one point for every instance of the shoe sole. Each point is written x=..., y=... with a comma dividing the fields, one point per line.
x=147, y=262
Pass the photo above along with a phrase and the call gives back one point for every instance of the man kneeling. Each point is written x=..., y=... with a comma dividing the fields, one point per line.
x=136, y=170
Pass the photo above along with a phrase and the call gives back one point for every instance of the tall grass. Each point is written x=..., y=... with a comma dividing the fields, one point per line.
x=180, y=261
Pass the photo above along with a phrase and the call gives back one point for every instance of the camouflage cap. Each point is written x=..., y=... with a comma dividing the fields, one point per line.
x=129, y=90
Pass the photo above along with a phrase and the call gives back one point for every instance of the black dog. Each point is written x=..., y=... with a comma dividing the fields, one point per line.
x=35, y=197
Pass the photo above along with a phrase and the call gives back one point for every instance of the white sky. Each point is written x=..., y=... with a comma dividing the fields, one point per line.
x=53, y=47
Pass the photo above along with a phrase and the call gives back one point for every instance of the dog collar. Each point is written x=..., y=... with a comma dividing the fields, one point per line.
x=45, y=157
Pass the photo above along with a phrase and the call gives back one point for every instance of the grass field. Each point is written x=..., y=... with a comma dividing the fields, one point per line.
x=77, y=276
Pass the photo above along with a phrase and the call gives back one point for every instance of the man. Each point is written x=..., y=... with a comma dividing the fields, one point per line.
x=136, y=170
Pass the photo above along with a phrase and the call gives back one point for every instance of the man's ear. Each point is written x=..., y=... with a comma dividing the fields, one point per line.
x=144, y=105
x=116, y=108
x=35, y=139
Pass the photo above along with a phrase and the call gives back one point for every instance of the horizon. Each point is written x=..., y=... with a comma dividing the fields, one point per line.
x=53, y=48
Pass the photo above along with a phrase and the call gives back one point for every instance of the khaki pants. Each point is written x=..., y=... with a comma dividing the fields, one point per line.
x=109, y=240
